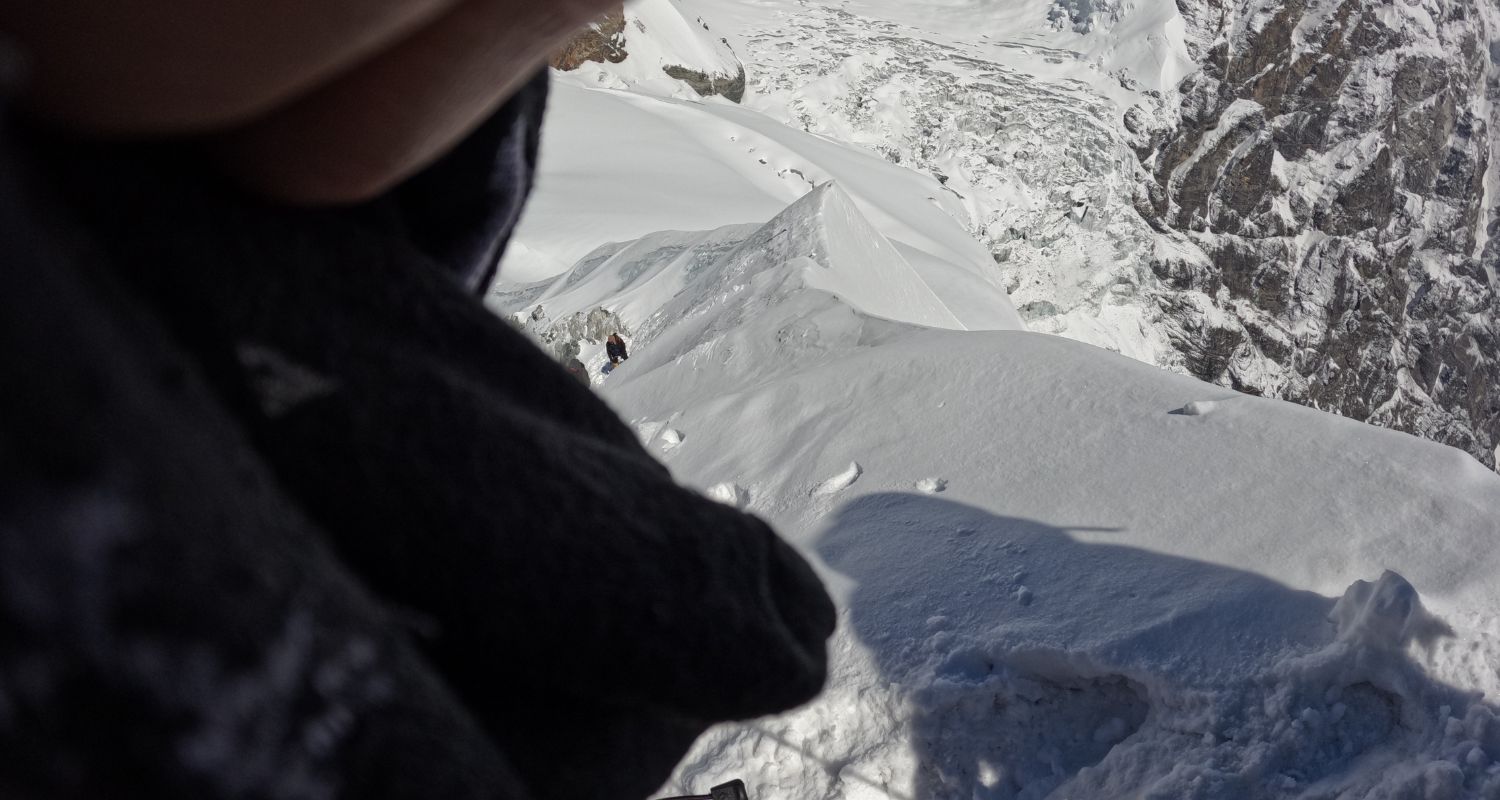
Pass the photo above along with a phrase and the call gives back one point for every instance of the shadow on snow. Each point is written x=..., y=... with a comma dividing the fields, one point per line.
x=1029, y=656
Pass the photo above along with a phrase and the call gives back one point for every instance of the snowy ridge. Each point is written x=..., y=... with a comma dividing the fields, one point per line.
x=631, y=165
x=884, y=285
x=824, y=229
x=669, y=290
x=1062, y=573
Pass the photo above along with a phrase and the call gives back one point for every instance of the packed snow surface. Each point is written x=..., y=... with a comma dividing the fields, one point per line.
x=1125, y=583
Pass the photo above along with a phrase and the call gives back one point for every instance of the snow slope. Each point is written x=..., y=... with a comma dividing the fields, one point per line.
x=626, y=164
x=1061, y=573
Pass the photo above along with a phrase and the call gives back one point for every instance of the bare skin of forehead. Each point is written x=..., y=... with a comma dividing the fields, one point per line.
x=313, y=103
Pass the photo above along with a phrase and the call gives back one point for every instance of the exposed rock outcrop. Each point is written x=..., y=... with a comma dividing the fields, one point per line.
x=1330, y=159
x=602, y=41
x=710, y=84
x=656, y=34
x=564, y=338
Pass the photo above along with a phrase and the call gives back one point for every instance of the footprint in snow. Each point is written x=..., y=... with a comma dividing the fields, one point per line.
x=841, y=481
x=992, y=726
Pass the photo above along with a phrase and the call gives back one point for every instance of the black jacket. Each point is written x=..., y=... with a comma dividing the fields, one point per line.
x=284, y=512
x=616, y=352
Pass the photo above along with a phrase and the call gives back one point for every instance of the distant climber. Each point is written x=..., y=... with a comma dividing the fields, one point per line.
x=615, y=347
x=577, y=370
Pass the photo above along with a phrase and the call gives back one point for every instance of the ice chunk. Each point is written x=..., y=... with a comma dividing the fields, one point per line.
x=932, y=485
x=1386, y=614
x=730, y=494
x=841, y=481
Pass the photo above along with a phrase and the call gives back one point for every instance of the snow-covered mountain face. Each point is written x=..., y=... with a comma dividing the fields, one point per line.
x=1335, y=162
x=1293, y=199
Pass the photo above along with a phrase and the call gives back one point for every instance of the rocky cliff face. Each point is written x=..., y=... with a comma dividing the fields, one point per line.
x=603, y=41
x=652, y=39
x=1335, y=161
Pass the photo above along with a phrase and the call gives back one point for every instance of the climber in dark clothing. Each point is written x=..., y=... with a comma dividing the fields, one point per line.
x=614, y=347
x=284, y=512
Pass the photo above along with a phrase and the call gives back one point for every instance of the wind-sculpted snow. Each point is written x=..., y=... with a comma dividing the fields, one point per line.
x=1126, y=583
